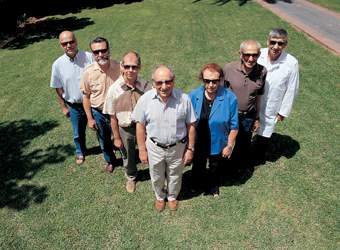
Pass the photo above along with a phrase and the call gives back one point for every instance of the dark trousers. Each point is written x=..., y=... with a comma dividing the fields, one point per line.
x=260, y=147
x=241, y=155
x=202, y=178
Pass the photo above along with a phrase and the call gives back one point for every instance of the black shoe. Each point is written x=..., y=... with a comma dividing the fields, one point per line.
x=215, y=191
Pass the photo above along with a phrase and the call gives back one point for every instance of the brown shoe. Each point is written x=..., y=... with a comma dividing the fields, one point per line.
x=159, y=205
x=173, y=205
x=80, y=159
x=130, y=186
x=109, y=168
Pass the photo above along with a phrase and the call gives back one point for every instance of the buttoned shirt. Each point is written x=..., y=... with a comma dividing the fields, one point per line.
x=165, y=122
x=246, y=86
x=95, y=82
x=66, y=74
x=282, y=84
x=121, y=99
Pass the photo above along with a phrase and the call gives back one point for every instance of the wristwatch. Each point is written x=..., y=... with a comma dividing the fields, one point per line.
x=191, y=149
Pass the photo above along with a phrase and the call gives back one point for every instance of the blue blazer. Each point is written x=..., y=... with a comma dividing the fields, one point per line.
x=223, y=116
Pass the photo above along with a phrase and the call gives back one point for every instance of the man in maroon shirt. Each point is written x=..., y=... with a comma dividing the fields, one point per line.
x=246, y=79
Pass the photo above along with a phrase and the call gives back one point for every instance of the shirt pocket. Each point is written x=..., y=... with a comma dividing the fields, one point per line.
x=181, y=114
x=96, y=86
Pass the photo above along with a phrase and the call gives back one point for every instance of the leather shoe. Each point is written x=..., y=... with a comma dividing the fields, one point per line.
x=130, y=186
x=159, y=205
x=109, y=168
x=173, y=205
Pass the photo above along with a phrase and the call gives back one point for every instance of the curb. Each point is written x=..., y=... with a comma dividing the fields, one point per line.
x=331, y=45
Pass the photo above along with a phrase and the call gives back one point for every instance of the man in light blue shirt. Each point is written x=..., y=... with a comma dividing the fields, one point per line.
x=165, y=135
x=65, y=79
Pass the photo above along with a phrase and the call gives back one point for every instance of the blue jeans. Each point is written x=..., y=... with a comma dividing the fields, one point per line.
x=104, y=135
x=78, y=121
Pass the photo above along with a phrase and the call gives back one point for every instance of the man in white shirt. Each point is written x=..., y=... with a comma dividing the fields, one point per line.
x=281, y=88
x=65, y=79
x=165, y=133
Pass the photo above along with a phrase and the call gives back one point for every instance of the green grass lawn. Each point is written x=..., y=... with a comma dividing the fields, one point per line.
x=47, y=202
x=330, y=4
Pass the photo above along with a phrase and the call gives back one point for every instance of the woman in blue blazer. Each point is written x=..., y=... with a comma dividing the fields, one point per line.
x=216, y=127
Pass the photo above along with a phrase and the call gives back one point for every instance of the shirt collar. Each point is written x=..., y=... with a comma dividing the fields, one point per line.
x=139, y=83
x=97, y=67
x=74, y=59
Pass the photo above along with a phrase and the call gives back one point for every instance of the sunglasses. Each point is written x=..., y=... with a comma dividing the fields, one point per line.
x=133, y=67
x=166, y=82
x=250, y=54
x=96, y=52
x=66, y=43
x=271, y=42
x=213, y=81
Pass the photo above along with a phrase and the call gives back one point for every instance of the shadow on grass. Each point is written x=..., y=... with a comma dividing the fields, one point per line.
x=17, y=164
x=45, y=29
x=223, y=2
x=275, y=1
x=94, y=150
x=279, y=146
x=21, y=19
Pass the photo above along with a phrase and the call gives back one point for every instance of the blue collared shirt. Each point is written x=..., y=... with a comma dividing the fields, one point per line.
x=223, y=116
x=165, y=122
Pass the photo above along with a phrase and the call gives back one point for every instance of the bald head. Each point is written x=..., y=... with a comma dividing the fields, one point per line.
x=163, y=80
x=68, y=43
x=66, y=33
x=163, y=70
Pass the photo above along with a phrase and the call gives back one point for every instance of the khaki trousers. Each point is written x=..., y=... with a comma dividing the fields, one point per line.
x=166, y=165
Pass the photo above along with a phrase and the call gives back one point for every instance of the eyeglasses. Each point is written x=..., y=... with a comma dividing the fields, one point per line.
x=96, y=52
x=255, y=55
x=166, y=82
x=66, y=43
x=133, y=67
x=272, y=42
x=213, y=81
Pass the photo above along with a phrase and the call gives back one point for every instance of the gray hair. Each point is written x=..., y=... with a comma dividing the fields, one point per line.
x=163, y=66
x=278, y=32
x=245, y=43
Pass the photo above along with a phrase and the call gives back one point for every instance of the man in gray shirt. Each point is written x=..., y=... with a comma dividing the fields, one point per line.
x=65, y=79
x=165, y=135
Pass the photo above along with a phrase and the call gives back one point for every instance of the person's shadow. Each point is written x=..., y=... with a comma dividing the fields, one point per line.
x=18, y=163
x=279, y=146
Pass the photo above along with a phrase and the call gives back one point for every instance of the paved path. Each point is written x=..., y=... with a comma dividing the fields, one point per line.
x=322, y=24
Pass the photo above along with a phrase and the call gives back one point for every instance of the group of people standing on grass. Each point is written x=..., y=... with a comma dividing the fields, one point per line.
x=214, y=123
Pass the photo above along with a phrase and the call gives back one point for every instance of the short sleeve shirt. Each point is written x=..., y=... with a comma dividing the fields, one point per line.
x=95, y=82
x=165, y=122
x=121, y=99
x=245, y=86
x=66, y=74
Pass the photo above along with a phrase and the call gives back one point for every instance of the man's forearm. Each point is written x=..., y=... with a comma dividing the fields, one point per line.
x=258, y=105
x=60, y=98
x=115, y=127
x=191, y=135
x=87, y=106
x=140, y=136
